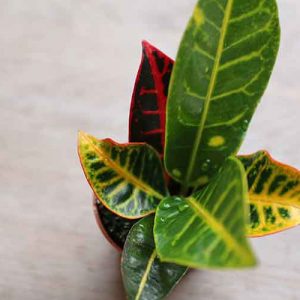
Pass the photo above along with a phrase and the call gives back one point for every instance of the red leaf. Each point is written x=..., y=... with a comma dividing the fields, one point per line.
x=147, y=118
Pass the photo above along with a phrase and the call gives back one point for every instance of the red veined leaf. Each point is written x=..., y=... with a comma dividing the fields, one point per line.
x=148, y=105
x=146, y=124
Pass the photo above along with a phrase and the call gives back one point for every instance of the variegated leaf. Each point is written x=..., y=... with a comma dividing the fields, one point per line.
x=207, y=229
x=128, y=178
x=148, y=105
x=147, y=119
x=274, y=191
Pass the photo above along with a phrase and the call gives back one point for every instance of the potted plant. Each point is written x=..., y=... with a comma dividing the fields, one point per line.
x=178, y=196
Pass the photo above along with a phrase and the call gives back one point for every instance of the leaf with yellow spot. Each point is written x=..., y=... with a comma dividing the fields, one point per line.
x=274, y=192
x=222, y=68
x=128, y=179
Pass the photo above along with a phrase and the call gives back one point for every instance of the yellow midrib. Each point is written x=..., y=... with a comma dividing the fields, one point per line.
x=219, y=229
x=145, y=276
x=273, y=228
x=274, y=200
x=210, y=91
x=129, y=177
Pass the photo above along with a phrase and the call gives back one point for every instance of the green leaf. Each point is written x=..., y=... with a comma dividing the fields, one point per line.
x=222, y=69
x=145, y=277
x=274, y=191
x=208, y=229
x=113, y=227
x=128, y=179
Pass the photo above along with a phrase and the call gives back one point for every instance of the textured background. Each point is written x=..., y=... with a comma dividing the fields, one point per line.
x=68, y=65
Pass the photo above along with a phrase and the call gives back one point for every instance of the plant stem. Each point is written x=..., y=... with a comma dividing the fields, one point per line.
x=184, y=190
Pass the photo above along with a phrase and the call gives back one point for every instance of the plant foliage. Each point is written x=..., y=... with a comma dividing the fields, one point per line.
x=222, y=68
x=208, y=228
x=178, y=193
x=144, y=275
x=128, y=179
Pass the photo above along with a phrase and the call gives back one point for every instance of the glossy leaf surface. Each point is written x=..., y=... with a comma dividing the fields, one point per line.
x=128, y=179
x=222, y=69
x=148, y=105
x=274, y=191
x=208, y=229
x=113, y=227
x=145, y=277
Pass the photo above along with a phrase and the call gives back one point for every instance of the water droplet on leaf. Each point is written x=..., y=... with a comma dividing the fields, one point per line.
x=245, y=125
x=182, y=207
x=166, y=205
x=205, y=165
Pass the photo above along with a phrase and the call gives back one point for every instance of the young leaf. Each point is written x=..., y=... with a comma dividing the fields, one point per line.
x=222, y=69
x=274, y=191
x=208, y=229
x=148, y=105
x=113, y=227
x=128, y=178
x=145, y=277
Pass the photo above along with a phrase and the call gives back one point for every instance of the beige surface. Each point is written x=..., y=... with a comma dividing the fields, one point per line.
x=67, y=65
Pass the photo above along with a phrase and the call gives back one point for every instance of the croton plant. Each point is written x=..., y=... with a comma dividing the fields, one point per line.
x=177, y=196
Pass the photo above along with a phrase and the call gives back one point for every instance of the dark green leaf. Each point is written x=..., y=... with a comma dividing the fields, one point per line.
x=145, y=277
x=114, y=227
x=222, y=69
x=208, y=229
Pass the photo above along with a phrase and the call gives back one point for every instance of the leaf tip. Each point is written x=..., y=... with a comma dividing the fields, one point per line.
x=83, y=141
x=81, y=135
x=251, y=260
x=147, y=48
x=145, y=44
